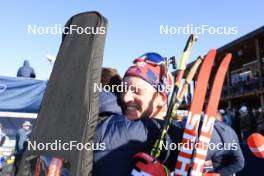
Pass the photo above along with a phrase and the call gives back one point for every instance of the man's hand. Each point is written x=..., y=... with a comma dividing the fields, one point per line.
x=208, y=163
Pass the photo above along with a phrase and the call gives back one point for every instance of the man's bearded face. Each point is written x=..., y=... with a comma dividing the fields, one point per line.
x=140, y=100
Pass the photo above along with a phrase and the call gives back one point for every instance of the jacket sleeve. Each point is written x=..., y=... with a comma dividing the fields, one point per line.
x=122, y=139
x=232, y=159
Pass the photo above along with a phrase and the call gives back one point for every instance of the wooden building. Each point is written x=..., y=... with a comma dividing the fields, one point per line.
x=244, y=80
x=244, y=83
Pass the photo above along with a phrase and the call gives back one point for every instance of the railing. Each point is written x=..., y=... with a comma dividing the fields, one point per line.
x=241, y=88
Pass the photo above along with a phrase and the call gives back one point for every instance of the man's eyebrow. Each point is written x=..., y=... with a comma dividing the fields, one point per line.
x=142, y=89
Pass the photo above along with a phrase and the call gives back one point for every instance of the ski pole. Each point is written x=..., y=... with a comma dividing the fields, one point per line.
x=180, y=98
x=155, y=152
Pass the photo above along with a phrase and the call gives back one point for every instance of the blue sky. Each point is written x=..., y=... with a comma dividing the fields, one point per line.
x=133, y=29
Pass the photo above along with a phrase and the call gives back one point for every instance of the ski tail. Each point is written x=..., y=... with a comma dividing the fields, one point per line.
x=188, y=80
x=209, y=118
x=186, y=84
x=190, y=131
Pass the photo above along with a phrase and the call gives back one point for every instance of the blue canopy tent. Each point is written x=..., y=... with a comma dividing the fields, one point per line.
x=20, y=100
x=21, y=94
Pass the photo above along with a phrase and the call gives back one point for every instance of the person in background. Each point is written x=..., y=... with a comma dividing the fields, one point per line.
x=219, y=116
x=2, y=161
x=258, y=121
x=231, y=114
x=109, y=77
x=22, y=137
x=245, y=123
x=226, y=117
x=26, y=71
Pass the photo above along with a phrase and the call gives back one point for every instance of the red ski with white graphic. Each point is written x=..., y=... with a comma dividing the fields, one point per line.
x=190, y=131
x=209, y=119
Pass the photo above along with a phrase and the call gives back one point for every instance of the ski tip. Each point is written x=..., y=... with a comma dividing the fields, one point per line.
x=212, y=50
x=229, y=55
x=228, y=58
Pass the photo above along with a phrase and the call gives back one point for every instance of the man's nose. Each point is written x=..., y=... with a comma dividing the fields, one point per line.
x=128, y=96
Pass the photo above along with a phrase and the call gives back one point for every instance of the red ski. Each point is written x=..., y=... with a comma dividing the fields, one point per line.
x=190, y=131
x=209, y=118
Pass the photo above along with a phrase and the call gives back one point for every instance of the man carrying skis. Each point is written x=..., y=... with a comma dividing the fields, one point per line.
x=144, y=104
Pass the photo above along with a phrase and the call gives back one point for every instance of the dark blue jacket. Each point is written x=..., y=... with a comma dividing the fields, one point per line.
x=226, y=162
x=229, y=159
x=108, y=104
x=123, y=138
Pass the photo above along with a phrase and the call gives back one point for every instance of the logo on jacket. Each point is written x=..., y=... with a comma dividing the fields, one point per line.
x=2, y=87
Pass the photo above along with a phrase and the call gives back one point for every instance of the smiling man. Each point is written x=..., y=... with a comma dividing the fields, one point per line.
x=142, y=100
x=131, y=131
x=148, y=86
x=136, y=129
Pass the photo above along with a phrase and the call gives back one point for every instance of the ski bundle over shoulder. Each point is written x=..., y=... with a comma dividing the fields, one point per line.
x=69, y=110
